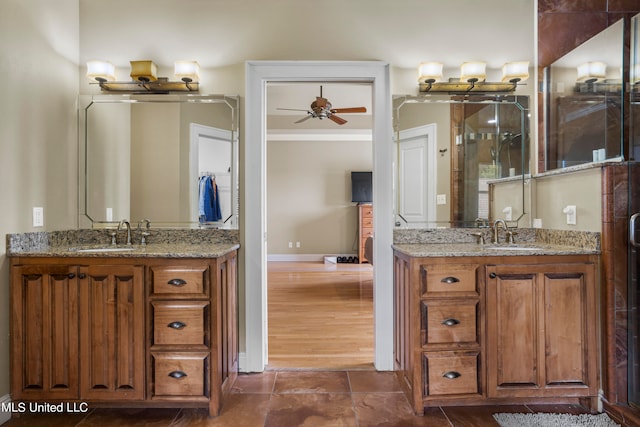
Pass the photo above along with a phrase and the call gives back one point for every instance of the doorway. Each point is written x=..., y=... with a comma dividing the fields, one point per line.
x=254, y=239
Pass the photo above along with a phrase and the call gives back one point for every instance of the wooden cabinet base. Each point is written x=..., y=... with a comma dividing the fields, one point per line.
x=127, y=332
x=496, y=330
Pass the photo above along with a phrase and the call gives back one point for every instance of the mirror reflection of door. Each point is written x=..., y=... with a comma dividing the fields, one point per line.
x=212, y=157
x=417, y=175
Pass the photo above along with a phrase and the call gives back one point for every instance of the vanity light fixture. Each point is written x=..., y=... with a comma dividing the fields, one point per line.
x=472, y=78
x=101, y=71
x=144, y=78
x=515, y=72
x=589, y=72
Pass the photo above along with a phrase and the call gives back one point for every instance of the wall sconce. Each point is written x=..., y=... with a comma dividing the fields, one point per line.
x=472, y=78
x=101, y=71
x=430, y=72
x=515, y=71
x=589, y=72
x=187, y=71
x=472, y=72
x=635, y=74
x=144, y=77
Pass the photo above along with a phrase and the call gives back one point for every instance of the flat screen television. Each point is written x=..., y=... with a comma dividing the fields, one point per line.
x=361, y=187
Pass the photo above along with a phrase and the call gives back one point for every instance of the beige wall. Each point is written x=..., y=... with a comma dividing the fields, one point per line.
x=39, y=85
x=582, y=189
x=309, y=195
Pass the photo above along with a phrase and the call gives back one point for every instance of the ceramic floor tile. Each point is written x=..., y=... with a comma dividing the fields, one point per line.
x=393, y=410
x=255, y=383
x=311, y=382
x=311, y=410
x=373, y=381
x=239, y=410
x=473, y=416
x=130, y=417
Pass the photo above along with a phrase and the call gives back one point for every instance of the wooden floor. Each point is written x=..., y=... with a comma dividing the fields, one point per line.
x=320, y=315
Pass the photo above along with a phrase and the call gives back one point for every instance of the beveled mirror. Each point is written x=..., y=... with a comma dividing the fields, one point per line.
x=146, y=156
x=453, y=152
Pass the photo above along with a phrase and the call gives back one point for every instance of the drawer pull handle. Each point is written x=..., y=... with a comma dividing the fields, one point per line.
x=177, y=282
x=176, y=325
x=450, y=279
x=450, y=322
x=452, y=375
x=177, y=374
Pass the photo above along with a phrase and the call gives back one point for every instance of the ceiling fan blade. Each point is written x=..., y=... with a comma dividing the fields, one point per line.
x=292, y=109
x=350, y=110
x=303, y=119
x=338, y=120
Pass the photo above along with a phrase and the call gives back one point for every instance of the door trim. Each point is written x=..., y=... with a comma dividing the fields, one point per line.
x=254, y=238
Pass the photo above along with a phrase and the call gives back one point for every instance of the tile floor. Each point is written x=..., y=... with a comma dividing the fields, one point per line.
x=297, y=398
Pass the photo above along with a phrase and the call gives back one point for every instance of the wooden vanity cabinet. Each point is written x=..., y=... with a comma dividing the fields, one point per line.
x=496, y=330
x=124, y=331
x=542, y=330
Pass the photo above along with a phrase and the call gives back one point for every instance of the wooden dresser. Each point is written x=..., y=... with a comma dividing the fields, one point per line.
x=365, y=229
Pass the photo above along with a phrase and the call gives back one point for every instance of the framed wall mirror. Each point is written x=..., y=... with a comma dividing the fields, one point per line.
x=452, y=151
x=584, y=102
x=172, y=159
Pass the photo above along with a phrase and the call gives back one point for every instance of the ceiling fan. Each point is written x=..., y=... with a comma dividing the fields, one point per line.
x=321, y=108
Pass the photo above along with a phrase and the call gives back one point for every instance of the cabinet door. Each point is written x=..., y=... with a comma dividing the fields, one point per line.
x=541, y=330
x=44, y=335
x=112, y=332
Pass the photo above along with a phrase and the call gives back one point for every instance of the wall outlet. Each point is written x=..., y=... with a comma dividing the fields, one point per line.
x=109, y=214
x=290, y=245
x=441, y=199
x=38, y=217
x=537, y=223
x=297, y=244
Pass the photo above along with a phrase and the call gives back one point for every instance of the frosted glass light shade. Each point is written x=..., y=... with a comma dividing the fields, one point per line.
x=430, y=71
x=101, y=71
x=515, y=70
x=188, y=71
x=473, y=70
x=592, y=70
x=144, y=71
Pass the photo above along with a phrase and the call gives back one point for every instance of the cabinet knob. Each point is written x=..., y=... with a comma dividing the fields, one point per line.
x=177, y=282
x=493, y=275
x=71, y=275
x=82, y=276
x=177, y=374
x=452, y=375
x=176, y=325
x=449, y=280
x=450, y=322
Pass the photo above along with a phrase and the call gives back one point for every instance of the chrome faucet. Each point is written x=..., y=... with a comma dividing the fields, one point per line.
x=144, y=234
x=496, y=238
x=128, y=225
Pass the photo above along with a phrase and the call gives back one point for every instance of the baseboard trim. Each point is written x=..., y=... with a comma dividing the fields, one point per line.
x=301, y=257
x=5, y=401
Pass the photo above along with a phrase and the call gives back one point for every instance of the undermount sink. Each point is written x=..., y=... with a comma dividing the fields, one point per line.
x=104, y=249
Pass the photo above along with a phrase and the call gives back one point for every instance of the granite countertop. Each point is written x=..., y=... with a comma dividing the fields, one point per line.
x=473, y=249
x=152, y=250
x=97, y=243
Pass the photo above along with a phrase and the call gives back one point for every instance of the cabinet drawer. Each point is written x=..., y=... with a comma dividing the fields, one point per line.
x=176, y=322
x=180, y=374
x=366, y=211
x=366, y=232
x=449, y=373
x=179, y=281
x=449, y=278
x=450, y=322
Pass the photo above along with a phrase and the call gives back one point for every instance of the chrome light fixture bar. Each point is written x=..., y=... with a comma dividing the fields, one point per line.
x=472, y=78
x=144, y=77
